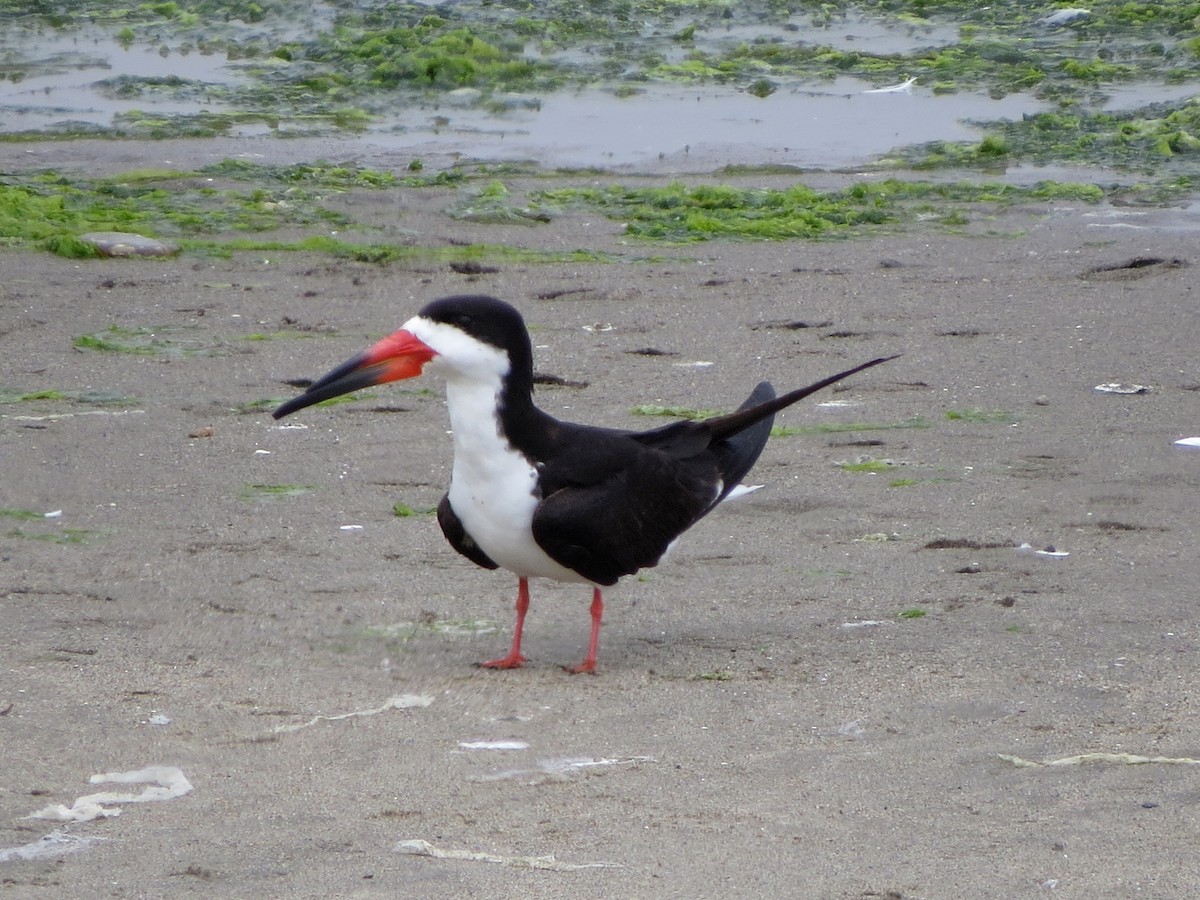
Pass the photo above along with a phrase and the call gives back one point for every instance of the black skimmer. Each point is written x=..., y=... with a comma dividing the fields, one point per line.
x=551, y=499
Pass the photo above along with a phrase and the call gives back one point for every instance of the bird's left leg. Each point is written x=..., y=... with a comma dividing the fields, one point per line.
x=589, y=662
x=515, y=660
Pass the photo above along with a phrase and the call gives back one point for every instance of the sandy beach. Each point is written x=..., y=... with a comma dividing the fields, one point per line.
x=951, y=654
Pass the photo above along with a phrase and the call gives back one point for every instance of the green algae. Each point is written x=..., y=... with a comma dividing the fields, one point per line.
x=388, y=253
x=170, y=341
x=48, y=209
x=404, y=511
x=868, y=466
x=58, y=535
x=204, y=212
x=233, y=207
x=681, y=213
x=308, y=74
x=432, y=52
x=61, y=536
x=119, y=340
x=50, y=396
x=675, y=412
x=318, y=174
x=695, y=414
x=847, y=427
x=978, y=415
x=1161, y=138
x=492, y=204
x=271, y=492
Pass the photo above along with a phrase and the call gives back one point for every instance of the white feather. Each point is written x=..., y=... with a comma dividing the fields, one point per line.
x=741, y=490
x=493, y=487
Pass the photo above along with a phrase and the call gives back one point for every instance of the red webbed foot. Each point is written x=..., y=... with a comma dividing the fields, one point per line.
x=512, y=661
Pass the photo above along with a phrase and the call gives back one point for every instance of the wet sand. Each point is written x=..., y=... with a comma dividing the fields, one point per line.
x=765, y=722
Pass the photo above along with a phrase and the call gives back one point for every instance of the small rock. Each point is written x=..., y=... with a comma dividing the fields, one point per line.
x=1063, y=17
x=121, y=243
x=465, y=96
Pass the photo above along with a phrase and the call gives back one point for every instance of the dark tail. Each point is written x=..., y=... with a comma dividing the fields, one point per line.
x=737, y=454
x=738, y=438
x=724, y=427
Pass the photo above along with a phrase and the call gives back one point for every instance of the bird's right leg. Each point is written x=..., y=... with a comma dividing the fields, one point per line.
x=514, y=660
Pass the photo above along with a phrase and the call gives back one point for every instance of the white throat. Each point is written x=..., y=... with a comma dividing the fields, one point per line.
x=493, y=487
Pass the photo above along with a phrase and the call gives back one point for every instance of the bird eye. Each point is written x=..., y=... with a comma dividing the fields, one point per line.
x=464, y=321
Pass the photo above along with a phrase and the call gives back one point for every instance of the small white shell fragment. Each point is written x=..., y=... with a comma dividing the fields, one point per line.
x=158, y=719
x=561, y=768
x=570, y=763
x=401, y=701
x=351, y=527
x=865, y=623
x=418, y=847
x=262, y=452
x=165, y=783
x=82, y=810
x=852, y=729
x=48, y=846
x=904, y=87
x=1188, y=442
x=53, y=417
x=53, y=514
x=409, y=701
x=1128, y=759
x=1047, y=551
x=493, y=745
x=1115, y=387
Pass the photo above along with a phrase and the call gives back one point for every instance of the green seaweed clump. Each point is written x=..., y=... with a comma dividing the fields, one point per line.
x=492, y=204
x=1159, y=138
x=682, y=213
x=428, y=54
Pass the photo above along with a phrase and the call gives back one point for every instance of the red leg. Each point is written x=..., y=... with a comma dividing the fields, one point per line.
x=589, y=662
x=514, y=660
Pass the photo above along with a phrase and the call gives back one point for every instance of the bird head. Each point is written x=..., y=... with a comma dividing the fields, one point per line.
x=467, y=337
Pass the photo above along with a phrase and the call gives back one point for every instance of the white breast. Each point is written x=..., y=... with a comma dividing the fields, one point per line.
x=493, y=488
